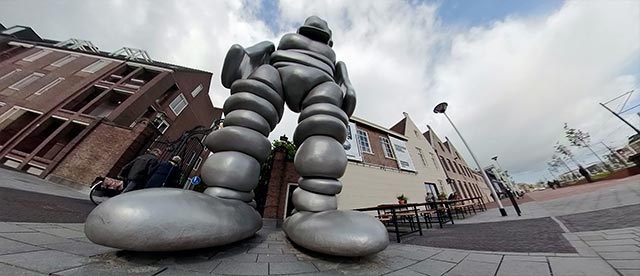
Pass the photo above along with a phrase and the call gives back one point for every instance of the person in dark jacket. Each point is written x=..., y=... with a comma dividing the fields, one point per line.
x=137, y=172
x=165, y=174
x=585, y=173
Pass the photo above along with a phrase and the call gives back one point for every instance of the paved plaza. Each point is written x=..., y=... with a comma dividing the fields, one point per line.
x=594, y=231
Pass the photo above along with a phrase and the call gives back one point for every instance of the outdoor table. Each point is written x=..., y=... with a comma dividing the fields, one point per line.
x=397, y=212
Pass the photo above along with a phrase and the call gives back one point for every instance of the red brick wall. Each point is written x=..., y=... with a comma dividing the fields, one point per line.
x=96, y=154
x=377, y=158
x=282, y=173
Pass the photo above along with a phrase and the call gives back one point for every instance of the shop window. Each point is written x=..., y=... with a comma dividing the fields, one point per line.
x=83, y=99
x=38, y=135
x=58, y=142
x=107, y=104
x=13, y=121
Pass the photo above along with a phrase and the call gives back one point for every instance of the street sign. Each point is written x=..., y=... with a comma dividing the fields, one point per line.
x=195, y=180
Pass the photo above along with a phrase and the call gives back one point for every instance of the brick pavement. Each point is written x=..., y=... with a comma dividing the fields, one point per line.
x=60, y=249
x=619, y=217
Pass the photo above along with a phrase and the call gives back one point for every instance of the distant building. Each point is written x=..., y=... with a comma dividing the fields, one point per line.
x=462, y=178
x=70, y=112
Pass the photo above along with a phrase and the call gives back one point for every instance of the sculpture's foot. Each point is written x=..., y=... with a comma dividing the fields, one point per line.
x=170, y=220
x=340, y=233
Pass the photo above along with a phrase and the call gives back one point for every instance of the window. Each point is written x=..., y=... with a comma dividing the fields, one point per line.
x=433, y=159
x=61, y=62
x=178, y=104
x=444, y=163
x=10, y=73
x=440, y=144
x=363, y=141
x=37, y=55
x=424, y=162
x=386, y=147
x=26, y=81
x=453, y=169
x=197, y=165
x=49, y=86
x=161, y=124
x=197, y=90
x=96, y=66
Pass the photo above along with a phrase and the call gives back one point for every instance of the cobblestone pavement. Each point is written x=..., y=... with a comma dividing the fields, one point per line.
x=620, y=217
x=61, y=249
x=18, y=205
x=532, y=235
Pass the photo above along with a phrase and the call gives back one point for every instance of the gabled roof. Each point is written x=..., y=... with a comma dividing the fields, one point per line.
x=400, y=127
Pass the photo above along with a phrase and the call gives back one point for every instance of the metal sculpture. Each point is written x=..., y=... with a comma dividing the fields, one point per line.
x=302, y=73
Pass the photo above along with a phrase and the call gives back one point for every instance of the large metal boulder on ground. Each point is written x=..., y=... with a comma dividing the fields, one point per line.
x=340, y=233
x=170, y=220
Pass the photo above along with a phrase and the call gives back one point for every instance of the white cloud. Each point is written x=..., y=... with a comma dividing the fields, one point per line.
x=511, y=84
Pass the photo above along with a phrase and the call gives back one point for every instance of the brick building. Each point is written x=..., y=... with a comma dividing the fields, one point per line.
x=70, y=112
x=464, y=180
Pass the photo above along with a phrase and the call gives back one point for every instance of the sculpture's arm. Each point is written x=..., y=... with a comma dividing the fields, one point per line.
x=342, y=78
x=240, y=61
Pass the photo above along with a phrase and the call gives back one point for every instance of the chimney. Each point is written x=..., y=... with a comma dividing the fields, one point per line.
x=406, y=115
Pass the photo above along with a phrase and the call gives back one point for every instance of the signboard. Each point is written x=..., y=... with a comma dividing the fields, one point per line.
x=195, y=180
x=402, y=154
x=351, y=145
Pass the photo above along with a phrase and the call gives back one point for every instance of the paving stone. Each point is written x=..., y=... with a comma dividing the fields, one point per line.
x=80, y=248
x=44, y=261
x=580, y=266
x=62, y=232
x=473, y=268
x=432, y=267
x=612, y=242
x=72, y=226
x=625, y=264
x=396, y=262
x=593, y=238
x=16, y=271
x=234, y=268
x=620, y=255
x=415, y=255
x=626, y=272
x=110, y=268
x=33, y=238
x=6, y=227
x=620, y=236
x=36, y=225
x=522, y=268
x=291, y=268
x=178, y=272
x=487, y=258
x=571, y=237
x=265, y=250
x=189, y=263
x=450, y=256
x=404, y=272
x=276, y=258
x=238, y=257
x=526, y=258
x=9, y=247
x=615, y=248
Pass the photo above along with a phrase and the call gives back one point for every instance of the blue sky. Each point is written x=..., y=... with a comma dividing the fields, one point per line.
x=480, y=12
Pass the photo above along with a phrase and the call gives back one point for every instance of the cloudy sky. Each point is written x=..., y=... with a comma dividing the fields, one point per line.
x=512, y=71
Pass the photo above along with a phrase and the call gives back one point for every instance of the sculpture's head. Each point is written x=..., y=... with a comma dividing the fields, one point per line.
x=316, y=29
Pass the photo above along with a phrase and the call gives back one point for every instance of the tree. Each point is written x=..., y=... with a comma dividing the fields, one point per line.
x=557, y=162
x=564, y=150
x=579, y=138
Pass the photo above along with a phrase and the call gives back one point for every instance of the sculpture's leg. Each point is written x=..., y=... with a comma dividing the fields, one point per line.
x=320, y=161
x=174, y=219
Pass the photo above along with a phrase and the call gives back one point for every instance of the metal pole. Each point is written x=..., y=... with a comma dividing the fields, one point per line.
x=620, y=117
x=503, y=212
x=511, y=188
x=615, y=153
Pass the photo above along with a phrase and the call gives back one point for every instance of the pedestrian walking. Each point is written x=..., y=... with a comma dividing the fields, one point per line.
x=585, y=173
x=166, y=174
x=136, y=173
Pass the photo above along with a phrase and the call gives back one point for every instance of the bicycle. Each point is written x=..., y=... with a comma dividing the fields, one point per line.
x=104, y=188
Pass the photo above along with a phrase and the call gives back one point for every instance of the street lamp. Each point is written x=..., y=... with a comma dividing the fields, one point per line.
x=441, y=108
x=510, y=186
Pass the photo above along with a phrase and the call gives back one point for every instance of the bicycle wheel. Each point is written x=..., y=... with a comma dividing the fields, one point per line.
x=96, y=194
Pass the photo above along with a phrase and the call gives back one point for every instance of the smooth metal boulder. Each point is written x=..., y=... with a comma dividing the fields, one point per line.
x=340, y=233
x=170, y=220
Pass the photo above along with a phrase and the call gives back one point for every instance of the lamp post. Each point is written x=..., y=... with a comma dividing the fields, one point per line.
x=441, y=108
x=503, y=174
x=510, y=186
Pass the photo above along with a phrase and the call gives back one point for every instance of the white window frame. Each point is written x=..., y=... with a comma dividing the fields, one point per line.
x=49, y=86
x=35, y=56
x=24, y=82
x=198, y=162
x=366, y=140
x=63, y=61
x=96, y=66
x=197, y=90
x=387, y=149
x=178, y=99
x=11, y=73
x=161, y=123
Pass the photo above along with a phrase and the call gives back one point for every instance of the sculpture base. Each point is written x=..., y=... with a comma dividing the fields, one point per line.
x=339, y=233
x=170, y=220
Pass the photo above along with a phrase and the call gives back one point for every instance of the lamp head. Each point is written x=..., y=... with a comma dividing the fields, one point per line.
x=495, y=158
x=440, y=108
